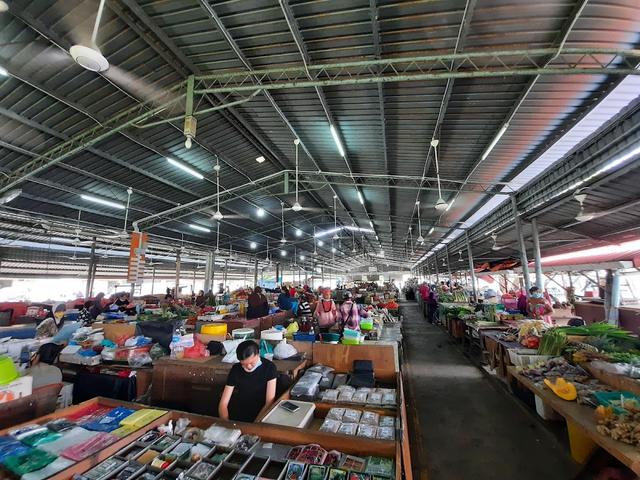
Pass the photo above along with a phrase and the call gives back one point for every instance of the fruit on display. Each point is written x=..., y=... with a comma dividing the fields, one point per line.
x=562, y=388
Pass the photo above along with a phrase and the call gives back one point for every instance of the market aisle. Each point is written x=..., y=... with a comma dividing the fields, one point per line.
x=469, y=428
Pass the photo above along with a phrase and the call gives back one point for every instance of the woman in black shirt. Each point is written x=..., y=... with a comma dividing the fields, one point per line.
x=251, y=385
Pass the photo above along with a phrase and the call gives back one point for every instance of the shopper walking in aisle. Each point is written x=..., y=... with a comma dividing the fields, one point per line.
x=424, y=297
x=285, y=302
x=326, y=312
x=304, y=309
x=251, y=385
x=432, y=307
x=258, y=306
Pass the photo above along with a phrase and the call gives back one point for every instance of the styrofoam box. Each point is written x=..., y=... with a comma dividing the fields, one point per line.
x=20, y=387
x=544, y=411
x=522, y=357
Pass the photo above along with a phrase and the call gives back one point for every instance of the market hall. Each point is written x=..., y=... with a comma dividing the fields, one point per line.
x=319, y=239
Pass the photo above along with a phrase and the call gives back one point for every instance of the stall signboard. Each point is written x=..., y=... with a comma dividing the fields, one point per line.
x=139, y=241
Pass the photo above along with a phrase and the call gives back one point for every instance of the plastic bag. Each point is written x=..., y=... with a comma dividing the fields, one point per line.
x=139, y=359
x=199, y=350
x=292, y=328
x=284, y=350
x=265, y=348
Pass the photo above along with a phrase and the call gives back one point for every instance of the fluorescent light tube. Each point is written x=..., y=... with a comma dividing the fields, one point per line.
x=253, y=245
x=183, y=167
x=3, y=72
x=199, y=228
x=431, y=230
x=371, y=223
x=336, y=138
x=260, y=159
x=260, y=212
x=360, y=197
x=495, y=140
x=108, y=203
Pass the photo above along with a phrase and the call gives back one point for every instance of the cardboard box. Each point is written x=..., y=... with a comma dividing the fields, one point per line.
x=19, y=388
x=113, y=331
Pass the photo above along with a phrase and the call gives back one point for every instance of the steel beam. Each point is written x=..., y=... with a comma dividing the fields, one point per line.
x=523, y=249
x=472, y=271
x=536, y=254
x=480, y=64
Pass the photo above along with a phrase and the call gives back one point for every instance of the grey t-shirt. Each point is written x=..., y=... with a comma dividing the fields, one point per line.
x=44, y=374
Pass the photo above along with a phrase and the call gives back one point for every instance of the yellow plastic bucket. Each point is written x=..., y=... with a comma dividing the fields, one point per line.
x=214, y=329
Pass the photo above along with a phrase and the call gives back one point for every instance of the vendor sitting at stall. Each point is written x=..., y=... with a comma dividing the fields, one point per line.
x=285, y=302
x=42, y=367
x=52, y=323
x=97, y=307
x=304, y=309
x=251, y=385
x=258, y=306
x=326, y=312
x=538, y=306
x=200, y=300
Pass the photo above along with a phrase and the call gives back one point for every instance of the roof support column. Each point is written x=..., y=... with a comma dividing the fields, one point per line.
x=435, y=263
x=536, y=254
x=178, y=266
x=208, y=270
x=612, y=297
x=523, y=249
x=472, y=271
x=225, y=274
x=91, y=271
x=255, y=272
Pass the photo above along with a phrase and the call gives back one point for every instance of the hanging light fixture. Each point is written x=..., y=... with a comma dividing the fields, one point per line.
x=420, y=238
x=411, y=238
x=267, y=254
x=353, y=249
x=217, y=252
x=335, y=219
x=441, y=205
x=296, y=206
x=218, y=215
x=283, y=239
x=460, y=256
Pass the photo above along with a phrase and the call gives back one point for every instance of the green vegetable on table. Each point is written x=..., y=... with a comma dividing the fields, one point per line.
x=553, y=342
x=599, y=329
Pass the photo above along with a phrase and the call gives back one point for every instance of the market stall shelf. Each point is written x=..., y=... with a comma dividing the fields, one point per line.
x=581, y=426
x=195, y=385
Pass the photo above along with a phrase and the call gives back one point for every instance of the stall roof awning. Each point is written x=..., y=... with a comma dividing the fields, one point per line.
x=622, y=252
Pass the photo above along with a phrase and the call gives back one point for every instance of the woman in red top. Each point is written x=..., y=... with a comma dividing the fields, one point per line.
x=326, y=312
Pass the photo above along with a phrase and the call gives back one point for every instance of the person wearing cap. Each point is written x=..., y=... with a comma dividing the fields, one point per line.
x=52, y=323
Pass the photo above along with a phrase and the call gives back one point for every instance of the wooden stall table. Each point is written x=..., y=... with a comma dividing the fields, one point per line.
x=195, y=385
x=497, y=352
x=72, y=372
x=581, y=427
x=41, y=402
x=473, y=334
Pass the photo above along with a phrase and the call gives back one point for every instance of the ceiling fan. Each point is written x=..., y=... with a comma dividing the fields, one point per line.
x=122, y=234
x=495, y=247
x=582, y=215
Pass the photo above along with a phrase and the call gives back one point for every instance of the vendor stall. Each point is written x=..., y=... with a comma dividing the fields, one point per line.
x=147, y=444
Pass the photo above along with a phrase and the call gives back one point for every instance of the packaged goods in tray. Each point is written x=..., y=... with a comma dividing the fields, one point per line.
x=389, y=398
x=351, y=416
x=387, y=421
x=348, y=429
x=336, y=414
x=386, y=433
x=330, y=425
x=359, y=397
x=353, y=463
x=307, y=387
x=367, y=431
x=340, y=379
x=327, y=380
x=374, y=398
x=370, y=418
x=333, y=458
x=330, y=396
x=321, y=369
x=345, y=396
x=379, y=466
x=221, y=436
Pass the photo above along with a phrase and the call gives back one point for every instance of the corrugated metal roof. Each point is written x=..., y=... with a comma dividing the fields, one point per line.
x=51, y=99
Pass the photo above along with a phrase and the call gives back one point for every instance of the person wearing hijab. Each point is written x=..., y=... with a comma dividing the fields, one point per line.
x=52, y=323
x=326, y=312
x=201, y=300
x=258, y=306
x=97, y=308
x=349, y=313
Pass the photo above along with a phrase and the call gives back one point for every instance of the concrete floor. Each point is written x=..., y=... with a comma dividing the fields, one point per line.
x=464, y=425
